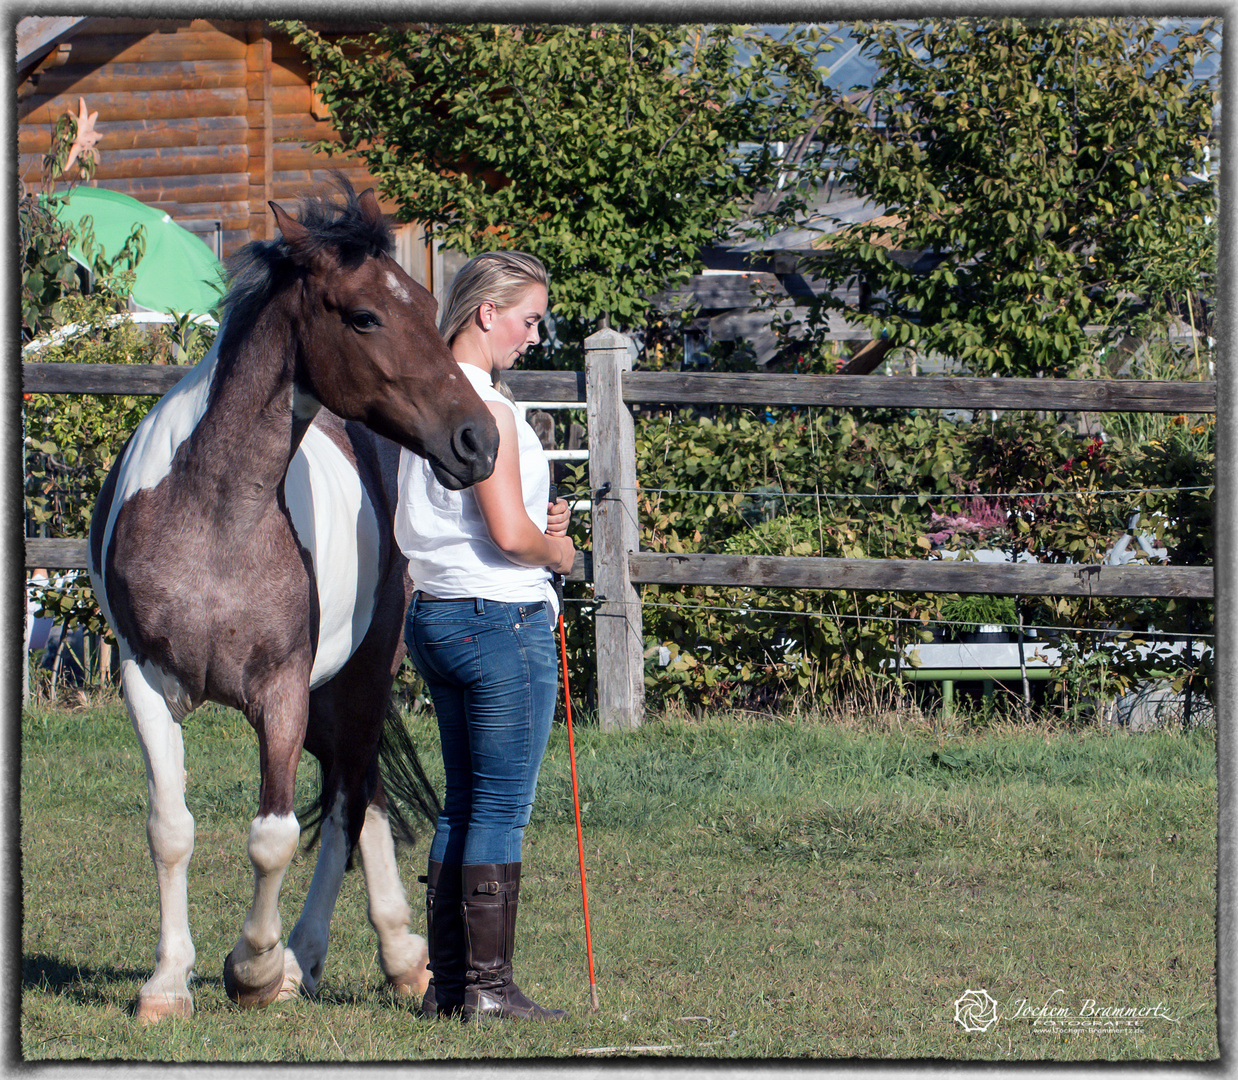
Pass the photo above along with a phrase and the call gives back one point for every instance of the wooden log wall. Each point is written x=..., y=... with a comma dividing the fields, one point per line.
x=206, y=119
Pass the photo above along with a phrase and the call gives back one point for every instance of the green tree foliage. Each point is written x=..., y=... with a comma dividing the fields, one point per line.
x=614, y=153
x=1053, y=170
x=50, y=275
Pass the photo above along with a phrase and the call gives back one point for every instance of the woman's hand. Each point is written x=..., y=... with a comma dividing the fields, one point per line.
x=557, y=517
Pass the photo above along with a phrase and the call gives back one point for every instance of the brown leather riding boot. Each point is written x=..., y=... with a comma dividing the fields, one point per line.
x=445, y=941
x=491, y=895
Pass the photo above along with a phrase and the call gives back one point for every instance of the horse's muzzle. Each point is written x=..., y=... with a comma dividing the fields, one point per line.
x=474, y=449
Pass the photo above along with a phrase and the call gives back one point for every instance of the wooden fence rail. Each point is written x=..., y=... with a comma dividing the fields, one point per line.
x=920, y=392
x=921, y=575
x=708, y=388
x=158, y=379
x=616, y=565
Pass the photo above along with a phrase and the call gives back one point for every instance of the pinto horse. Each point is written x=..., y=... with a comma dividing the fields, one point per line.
x=242, y=551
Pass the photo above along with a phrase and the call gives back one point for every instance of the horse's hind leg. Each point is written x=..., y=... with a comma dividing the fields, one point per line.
x=345, y=719
x=169, y=831
x=254, y=969
x=403, y=955
x=307, y=944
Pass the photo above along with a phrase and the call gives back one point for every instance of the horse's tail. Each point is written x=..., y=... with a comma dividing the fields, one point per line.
x=410, y=794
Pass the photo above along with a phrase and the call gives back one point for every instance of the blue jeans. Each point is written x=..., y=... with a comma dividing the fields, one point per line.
x=492, y=672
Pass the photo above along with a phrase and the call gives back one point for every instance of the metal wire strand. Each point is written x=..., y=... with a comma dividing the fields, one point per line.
x=1171, y=635
x=938, y=496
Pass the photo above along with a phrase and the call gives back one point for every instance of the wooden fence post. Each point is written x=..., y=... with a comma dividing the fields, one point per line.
x=612, y=478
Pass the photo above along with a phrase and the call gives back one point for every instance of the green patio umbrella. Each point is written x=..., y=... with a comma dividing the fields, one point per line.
x=177, y=271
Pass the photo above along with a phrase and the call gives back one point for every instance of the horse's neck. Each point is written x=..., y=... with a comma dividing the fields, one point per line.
x=249, y=433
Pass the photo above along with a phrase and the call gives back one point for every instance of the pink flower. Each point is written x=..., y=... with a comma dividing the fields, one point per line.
x=978, y=519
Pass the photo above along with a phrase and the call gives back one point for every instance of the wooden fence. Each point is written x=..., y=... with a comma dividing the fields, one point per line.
x=616, y=565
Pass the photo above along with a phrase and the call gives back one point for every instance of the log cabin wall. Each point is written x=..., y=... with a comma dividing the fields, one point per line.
x=206, y=119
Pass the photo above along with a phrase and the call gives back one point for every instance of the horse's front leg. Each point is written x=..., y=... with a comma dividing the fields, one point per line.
x=254, y=969
x=169, y=832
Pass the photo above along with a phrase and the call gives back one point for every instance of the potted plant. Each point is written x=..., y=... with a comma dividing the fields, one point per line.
x=979, y=617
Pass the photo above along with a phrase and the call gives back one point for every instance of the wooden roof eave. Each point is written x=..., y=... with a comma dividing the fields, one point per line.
x=37, y=35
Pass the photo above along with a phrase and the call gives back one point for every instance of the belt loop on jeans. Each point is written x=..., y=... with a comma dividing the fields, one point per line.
x=479, y=606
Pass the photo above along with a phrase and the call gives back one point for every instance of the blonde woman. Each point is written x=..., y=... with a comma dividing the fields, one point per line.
x=479, y=632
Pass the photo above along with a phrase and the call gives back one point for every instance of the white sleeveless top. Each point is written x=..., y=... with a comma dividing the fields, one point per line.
x=444, y=537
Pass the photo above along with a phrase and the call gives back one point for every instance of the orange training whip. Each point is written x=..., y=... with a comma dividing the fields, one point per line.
x=580, y=837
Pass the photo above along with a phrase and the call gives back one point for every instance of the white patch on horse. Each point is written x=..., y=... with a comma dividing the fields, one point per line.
x=257, y=958
x=393, y=283
x=273, y=841
x=169, y=831
x=336, y=522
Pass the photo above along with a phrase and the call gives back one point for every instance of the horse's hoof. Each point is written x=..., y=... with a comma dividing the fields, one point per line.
x=250, y=997
x=150, y=1010
x=294, y=987
x=413, y=982
x=295, y=982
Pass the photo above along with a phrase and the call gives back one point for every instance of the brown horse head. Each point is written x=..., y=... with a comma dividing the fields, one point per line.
x=368, y=348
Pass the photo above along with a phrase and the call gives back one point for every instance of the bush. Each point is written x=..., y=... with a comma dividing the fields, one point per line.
x=71, y=440
x=876, y=484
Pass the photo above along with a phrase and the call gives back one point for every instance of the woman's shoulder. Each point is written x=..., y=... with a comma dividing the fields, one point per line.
x=502, y=406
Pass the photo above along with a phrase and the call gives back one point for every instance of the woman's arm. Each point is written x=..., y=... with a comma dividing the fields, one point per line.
x=500, y=498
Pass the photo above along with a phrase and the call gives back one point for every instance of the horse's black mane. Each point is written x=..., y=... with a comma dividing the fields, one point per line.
x=261, y=266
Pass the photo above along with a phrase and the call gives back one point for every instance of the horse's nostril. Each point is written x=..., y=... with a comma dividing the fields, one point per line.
x=475, y=442
x=476, y=447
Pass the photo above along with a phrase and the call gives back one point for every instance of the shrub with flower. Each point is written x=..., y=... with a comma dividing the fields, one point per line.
x=1094, y=458
x=978, y=522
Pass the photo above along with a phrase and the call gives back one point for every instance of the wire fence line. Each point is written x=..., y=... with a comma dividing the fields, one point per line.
x=1170, y=635
x=779, y=494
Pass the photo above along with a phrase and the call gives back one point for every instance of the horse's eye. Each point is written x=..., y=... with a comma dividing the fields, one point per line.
x=363, y=321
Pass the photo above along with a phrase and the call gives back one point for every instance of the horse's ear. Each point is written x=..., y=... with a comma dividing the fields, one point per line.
x=291, y=229
x=369, y=205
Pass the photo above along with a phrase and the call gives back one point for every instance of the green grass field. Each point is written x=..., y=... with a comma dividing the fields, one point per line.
x=758, y=889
